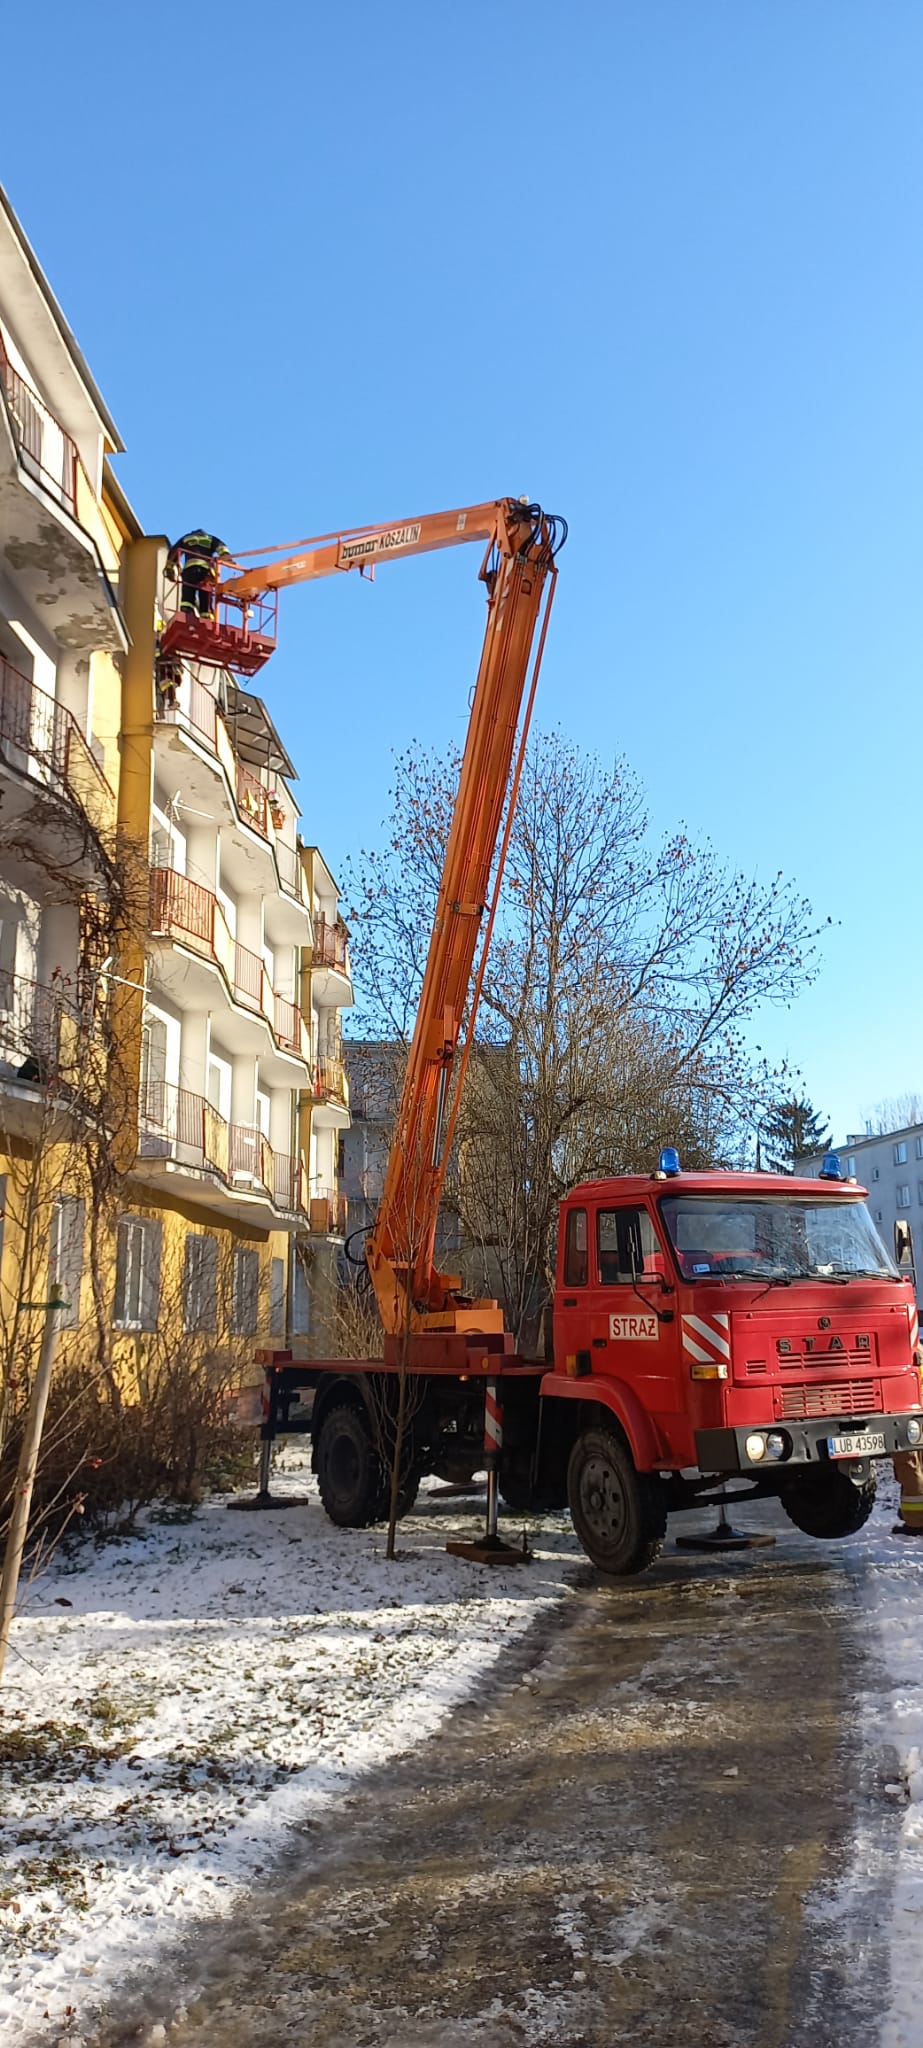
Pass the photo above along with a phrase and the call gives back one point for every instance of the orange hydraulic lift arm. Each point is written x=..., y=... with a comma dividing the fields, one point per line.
x=519, y=573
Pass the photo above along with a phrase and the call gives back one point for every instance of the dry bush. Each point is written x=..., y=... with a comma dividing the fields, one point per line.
x=102, y=1463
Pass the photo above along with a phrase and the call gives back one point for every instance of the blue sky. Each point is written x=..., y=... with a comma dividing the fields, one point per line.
x=654, y=262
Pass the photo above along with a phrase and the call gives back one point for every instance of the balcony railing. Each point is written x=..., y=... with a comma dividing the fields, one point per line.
x=331, y=947
x=185, y=910
x=45, y=451
x=252, y=800
x=290, y=1028
x=41, y=738
x=186, y=1129
x=291, y=872
x=251, y=981
x=327, y=1213
x=52, y=1035
x=190, y=704
x=331, y=1083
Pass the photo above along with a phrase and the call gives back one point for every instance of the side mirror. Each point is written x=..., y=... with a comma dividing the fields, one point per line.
x=903, y=1243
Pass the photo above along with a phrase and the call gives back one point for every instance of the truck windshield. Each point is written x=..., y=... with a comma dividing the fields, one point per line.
x=774, y=1237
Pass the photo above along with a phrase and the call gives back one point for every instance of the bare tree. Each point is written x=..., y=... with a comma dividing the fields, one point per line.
x=622, y=976
x=895, y=1113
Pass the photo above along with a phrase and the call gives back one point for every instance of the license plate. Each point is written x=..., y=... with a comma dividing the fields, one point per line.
x=863, y=1445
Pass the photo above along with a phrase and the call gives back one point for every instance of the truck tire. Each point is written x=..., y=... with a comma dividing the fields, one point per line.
x=349, y=1473
x=619, y=1514
x=828, y=1503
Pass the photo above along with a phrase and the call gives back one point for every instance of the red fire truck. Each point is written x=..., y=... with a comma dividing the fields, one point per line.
x=715, y=1334
x=708, y=1328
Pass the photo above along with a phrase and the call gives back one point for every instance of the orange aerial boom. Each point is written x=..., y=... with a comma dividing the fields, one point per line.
x=519, y=573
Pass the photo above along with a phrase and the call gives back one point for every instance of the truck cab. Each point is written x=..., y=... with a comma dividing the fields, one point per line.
x=724, y=1326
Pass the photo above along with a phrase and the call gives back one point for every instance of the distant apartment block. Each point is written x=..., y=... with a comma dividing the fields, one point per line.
x=890, y=1165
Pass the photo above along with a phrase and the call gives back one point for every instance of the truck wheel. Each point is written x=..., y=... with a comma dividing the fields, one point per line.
x=349, y=1469
x=619, y=1514
x=828, y=1503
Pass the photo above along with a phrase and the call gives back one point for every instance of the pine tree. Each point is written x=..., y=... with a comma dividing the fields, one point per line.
x=793, y=1131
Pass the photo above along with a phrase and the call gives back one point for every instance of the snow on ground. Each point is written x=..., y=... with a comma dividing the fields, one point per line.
x=176, y=1700
x=891, y=1569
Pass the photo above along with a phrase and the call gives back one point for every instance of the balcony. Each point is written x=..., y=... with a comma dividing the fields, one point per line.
x=331, y=977
x=183, y=1134
x=327, y=1213
x=253, y=800
x=330, y=1082
x=190, y=915
x=53, y=1045
x=65, y=565
x=56, y=787
x=192, y=709
x=330, y=1094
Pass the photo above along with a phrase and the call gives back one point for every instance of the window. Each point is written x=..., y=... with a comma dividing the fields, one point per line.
x=301, y=1292
x=900, y=1154
x=851, y=1168
x=65, y=1257
x=277, y=1297
x=919, y=1148
x=245, y=1314
x=137, y=1274
x=575, y=1249
x=903, y=1196
x=200, y=1283
x=626, y=1244
x=9, y=930
x=154, y=1070
x=777, y=1237
x=875, y=1173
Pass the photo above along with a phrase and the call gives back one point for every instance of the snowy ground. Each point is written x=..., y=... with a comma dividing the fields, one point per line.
x=891, y=1570
x=175, y=1701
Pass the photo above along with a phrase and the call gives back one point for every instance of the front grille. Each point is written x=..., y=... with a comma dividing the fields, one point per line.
x=811, y=1361
x=845, y=1397
x=755, y=1368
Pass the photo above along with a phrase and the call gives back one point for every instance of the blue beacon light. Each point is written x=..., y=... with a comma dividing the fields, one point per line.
x=831, y=1169
x=669, y=1160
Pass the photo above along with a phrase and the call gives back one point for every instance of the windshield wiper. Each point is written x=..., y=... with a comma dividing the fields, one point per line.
x=855, y=1273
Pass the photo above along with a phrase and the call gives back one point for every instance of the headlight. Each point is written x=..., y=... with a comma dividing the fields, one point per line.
x=914, y=1431
x=776, y=1445
x=755, y=1448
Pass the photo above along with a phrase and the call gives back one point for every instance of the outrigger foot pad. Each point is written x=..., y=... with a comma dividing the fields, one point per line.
x=491, y=1550
x=253, y=1501
x=725, y=1537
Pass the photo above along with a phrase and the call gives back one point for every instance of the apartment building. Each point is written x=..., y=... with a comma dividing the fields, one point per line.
x=890, y=1165
x=63, y=637
x=173, y=966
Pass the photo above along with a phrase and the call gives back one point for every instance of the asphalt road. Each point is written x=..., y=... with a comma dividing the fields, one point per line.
x=637, y=1833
